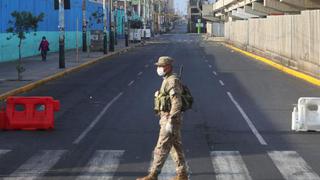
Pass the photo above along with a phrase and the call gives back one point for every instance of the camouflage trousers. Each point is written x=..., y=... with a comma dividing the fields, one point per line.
x=169, y=143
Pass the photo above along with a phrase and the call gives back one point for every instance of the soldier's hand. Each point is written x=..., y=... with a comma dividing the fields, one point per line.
x=168, y=127
x=156, y=94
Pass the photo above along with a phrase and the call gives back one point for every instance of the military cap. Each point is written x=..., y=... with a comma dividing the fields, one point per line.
x=164, y=60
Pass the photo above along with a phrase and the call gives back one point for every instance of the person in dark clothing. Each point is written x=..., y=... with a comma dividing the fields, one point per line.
x=44, y=48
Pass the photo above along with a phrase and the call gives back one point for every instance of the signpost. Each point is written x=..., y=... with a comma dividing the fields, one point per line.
x=199, y=25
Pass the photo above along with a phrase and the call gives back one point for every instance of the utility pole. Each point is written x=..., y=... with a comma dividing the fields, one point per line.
x=105, y=37
x=115, y=14
x=84, y=26
x=139, y=8
x=111, y=34
x=144, y=19
x=159, y=17
x=126, y=28
x=61, y=35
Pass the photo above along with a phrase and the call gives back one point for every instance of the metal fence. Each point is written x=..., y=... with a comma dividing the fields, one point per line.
x=293, y=39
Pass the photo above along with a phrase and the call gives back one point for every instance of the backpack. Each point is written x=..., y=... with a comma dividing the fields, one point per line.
x=186, y=98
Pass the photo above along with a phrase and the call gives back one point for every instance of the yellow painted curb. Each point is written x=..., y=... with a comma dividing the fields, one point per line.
x=282, y=68
x=40, y=82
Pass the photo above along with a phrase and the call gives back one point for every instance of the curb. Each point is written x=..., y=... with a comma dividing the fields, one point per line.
x=292, y=72
x=58, y=75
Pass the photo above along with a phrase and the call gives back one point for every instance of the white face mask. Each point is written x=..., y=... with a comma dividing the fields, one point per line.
x=160, y=71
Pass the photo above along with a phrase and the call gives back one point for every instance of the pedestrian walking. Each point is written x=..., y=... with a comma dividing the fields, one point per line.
x=170, y=112
x=44, y=48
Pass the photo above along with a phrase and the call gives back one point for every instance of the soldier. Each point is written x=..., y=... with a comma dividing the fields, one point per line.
x=170, y=122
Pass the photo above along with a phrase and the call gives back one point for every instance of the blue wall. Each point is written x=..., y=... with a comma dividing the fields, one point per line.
x=48, y=28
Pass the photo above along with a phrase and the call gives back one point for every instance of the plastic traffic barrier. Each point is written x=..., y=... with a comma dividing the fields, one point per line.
x=306, y=115
x=3, y=119
x=29, y=113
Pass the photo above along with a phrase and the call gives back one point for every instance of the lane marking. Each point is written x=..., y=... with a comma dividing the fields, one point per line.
x=146, y=66
x=3, y=152
x=131, y=83
x=215, y=73
x=168, y=169
x=140, y=73
x=285, y=69
x=221, y=82
x=97, y=119
x=228, y=165
x=37, y=165
x=247, y=119
x=210, y=66
x=102, y=166
x=292, y=166
x=206, y=60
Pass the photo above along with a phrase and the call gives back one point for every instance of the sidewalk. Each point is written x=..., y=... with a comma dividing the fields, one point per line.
x=37, y=70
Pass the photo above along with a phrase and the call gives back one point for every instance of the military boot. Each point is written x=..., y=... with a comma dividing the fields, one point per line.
x=151, y=176
x=181, y=176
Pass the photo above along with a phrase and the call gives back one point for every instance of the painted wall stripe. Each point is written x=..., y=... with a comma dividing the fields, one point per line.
x=247, y=119
x=285, y=69
x=228, y=165
x=292, y=166
x=102, y=166
x=37, y=165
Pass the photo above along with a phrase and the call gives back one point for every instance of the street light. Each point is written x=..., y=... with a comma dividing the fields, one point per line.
x=105, y=41
x=111, y=35
x=84, y=26
x=61, y=35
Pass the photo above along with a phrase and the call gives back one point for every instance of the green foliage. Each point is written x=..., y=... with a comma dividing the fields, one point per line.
x=23, y=22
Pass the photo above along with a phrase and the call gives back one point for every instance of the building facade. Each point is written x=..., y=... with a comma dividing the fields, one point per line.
x=48, y=27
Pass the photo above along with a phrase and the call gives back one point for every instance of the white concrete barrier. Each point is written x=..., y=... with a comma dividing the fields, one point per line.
x=306, y=115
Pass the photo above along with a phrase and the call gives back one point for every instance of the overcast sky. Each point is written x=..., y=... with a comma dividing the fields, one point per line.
x=181, y=5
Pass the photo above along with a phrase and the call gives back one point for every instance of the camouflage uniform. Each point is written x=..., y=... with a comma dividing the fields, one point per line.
x=169, y=113
x=170, y=142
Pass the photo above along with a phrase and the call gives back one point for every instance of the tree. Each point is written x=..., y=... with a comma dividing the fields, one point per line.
x=23, y=22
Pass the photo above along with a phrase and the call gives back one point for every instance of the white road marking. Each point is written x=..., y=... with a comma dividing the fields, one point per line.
x=3, y=152
x=292, y=166
x=247, y=119
x=140, y=73
x=97, y=119
x=215, y=73
x=206, y=60
x=131, y=83
x=221, y=82
x=210, y=66
x=37, y=165
x=228, y=165
x=102, y=166
x=146, y=66
x=168, y=170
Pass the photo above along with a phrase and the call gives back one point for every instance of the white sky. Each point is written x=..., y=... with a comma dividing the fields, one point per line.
x=181, y=5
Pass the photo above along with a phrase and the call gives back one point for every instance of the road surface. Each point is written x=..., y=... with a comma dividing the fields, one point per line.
x=106, y=129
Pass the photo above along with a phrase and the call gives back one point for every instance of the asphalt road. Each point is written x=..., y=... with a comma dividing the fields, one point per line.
x=106, y=129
